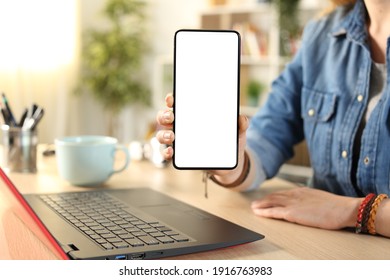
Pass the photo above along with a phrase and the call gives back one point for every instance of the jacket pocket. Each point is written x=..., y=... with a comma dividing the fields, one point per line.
x=318, y=109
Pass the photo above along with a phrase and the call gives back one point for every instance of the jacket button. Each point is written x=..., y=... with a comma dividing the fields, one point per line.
x=311, y=112
x=344, y=154
x=359, y=98
x=366, y=160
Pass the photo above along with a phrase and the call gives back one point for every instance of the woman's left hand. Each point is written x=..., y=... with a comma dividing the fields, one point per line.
x=310, y=207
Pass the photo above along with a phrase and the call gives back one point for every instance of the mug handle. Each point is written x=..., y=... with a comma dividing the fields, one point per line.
x=127, y=159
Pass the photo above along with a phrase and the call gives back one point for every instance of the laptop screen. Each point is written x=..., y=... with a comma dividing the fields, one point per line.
x=22, y=234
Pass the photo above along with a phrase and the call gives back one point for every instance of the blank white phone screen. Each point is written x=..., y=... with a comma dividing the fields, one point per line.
x=206, y=99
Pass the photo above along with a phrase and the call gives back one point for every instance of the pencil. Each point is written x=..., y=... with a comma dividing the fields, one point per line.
x=11, y=119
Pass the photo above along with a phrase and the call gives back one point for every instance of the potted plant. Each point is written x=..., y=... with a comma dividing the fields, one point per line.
x=254, y=90
x=112, y=58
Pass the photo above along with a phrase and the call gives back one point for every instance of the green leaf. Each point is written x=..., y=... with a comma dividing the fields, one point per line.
x=112, y=58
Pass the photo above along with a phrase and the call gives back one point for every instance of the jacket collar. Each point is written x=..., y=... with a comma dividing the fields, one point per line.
x=354, y=24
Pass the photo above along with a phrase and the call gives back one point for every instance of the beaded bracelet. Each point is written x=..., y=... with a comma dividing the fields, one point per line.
x=366, y=214
x=361, y=211
x=373, y=211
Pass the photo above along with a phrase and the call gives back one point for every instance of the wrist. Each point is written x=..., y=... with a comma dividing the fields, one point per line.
x=235, y=178
x=353, y=213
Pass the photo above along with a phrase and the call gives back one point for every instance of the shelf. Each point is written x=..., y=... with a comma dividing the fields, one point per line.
x=235, y=9
x=255, y=8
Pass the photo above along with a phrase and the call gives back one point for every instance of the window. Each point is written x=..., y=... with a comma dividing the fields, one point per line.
x=37, y=35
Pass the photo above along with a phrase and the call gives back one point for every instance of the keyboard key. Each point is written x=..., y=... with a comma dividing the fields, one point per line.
x=148, y=240
x=102, y=231
x=114, y=240
x=107, y=246
x=128, y=226
x=112, y=228
x=119, y=231
x=91, y=224
x=98, y=227
x=164, y=228
x=156, y=234
x=120, y=244
x=126, y=236
x=108, y=224
x=135, y=242
x=94, y=236
x=171, y=232
x=138, y=233
x=165, y=239
x=137, y=223
x=101, y=240
x=108, y=235
x=150, y=230
x=180, y=238
x=121, y=222
x=143, y=226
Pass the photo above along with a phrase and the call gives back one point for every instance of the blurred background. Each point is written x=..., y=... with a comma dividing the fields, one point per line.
x=104, y=66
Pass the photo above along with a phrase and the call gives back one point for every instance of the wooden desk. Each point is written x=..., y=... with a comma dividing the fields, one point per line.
x=283, y=240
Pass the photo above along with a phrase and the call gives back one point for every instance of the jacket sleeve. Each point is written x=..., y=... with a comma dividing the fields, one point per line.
x=278, y=125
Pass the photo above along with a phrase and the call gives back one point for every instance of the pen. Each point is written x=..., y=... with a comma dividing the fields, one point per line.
x=23, y=118
x=37, y=117
x=4, y=113
x=31, y=122
x=30, y=113
x=11, y=118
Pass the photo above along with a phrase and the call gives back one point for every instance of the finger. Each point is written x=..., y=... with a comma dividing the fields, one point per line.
x=167, y=153
x=272, y=212
x=272, y=200
x=165, y=118
x=165, y=136
x=169, y=100
x=263, y=204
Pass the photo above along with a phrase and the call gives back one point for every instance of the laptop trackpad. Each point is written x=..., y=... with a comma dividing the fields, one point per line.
x=175, y=211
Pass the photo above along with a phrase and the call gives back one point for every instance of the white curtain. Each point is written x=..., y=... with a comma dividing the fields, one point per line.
x=39, y=50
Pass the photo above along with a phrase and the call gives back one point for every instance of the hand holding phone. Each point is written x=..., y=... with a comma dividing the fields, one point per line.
x=206, y=94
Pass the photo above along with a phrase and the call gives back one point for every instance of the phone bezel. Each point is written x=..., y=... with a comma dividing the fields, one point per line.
x=237, y=100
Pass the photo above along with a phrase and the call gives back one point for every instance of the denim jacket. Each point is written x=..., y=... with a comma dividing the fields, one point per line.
x=321, y=97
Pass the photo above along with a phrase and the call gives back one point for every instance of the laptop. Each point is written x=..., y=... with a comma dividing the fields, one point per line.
x=110, y=224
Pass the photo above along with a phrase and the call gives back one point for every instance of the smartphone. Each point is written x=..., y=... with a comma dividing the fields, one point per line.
x=206, y=98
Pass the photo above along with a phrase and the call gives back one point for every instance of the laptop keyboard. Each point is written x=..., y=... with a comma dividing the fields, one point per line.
x=107, y=221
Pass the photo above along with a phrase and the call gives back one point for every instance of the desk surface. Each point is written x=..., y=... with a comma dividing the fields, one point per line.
x=283, y=240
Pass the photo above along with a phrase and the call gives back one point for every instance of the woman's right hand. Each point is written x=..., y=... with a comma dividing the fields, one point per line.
x=166, y=136
x=165, y=119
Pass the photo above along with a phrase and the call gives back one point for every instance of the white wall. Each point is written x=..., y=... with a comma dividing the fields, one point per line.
x=167, y=16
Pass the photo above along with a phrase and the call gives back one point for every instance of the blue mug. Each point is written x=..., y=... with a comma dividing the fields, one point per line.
x=88, y=160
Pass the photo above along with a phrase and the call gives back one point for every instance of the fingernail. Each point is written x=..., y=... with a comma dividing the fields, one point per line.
x=168, y=152
x=167, y=116
x=167, y=135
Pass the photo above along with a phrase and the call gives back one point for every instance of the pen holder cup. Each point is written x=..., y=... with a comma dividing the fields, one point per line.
x=19, y=149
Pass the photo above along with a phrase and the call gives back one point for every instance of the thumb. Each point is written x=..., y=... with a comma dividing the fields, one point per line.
x=243, y=124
